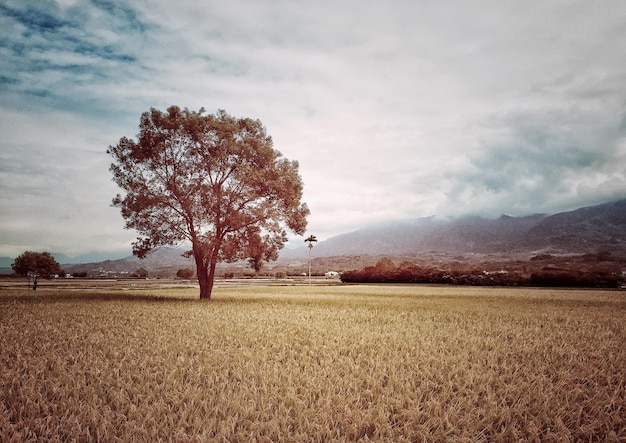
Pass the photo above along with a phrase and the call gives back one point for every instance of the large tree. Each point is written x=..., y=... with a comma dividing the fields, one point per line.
x=210, y=179
x=35, y=265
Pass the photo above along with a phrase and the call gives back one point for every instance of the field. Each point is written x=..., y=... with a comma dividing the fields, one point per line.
x=312, y=363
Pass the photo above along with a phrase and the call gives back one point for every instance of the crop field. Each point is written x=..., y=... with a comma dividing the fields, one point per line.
x=317, y=363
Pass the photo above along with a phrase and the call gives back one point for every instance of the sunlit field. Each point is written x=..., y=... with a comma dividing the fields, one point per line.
x=312, y=363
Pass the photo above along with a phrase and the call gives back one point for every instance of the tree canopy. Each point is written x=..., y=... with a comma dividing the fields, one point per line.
x=38, y=263
x=35, y=265
x=212, y=180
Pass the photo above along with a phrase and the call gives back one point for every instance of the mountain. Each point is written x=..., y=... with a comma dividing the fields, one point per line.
x=585, y=230
x=162, y=259
x=465, y=234
x=66, y=261
x=90, y=257
x=6, y=262
x=591, y=229
x=600, y=228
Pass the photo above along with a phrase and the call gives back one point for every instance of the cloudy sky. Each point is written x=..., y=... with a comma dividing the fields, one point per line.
x=395, y=109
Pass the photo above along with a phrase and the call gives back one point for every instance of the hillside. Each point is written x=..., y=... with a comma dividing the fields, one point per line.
x=589, y=230
x=585, y=230
x=163, y=260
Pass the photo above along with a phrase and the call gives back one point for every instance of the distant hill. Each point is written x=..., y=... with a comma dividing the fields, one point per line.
x=160, y=260
x=586, y=230
x=90, y=257
x=590, y=229
x=6, y=262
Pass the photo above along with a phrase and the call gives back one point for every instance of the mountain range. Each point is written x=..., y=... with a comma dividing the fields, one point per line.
x=593, y=229
x=90, y=257
x=585, y=230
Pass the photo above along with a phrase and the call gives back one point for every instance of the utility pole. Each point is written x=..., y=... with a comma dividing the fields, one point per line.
x=311, y=239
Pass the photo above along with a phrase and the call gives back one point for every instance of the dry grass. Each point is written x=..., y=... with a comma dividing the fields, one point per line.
x=347, y=363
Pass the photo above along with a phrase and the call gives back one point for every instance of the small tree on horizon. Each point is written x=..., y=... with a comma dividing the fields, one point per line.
x=184, y=273
x=213, y=180
x=141, y=273
x=385, y=264
x=34, y=265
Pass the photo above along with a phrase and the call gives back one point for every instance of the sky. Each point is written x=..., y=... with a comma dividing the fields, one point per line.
x=395, y=110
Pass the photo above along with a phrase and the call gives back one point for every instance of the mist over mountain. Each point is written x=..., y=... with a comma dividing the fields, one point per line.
x=585, y=230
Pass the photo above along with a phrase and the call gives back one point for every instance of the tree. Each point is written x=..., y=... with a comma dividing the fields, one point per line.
x=35, y=265
x=385, y=265
x=184, y=273
x=310, y=240
x=141, y=273
x=210, y=179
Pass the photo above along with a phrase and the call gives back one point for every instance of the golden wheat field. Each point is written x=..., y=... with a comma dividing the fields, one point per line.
x=313, y=364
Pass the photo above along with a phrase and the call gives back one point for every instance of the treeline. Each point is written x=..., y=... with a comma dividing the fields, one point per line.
x=574, y=279
x=385, y=271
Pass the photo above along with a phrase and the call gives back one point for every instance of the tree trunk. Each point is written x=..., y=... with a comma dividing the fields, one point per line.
x=206, y=272
x=211, y=276
x=205, y=281
x=203, y=277
x=206, y=277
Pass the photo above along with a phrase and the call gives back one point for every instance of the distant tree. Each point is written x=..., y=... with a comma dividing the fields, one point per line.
x=385, y=265
x=213, y=180
x=406, y=264
x=35, y=265
x=184, y=273
x=310, y=240
x=141, y=273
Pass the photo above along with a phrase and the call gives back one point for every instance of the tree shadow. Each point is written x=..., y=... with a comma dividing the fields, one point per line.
x=80, y=296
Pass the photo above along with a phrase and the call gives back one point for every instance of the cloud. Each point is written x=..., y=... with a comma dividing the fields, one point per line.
x=394, y=110
x=50, y=199
x=554, y=155
x=61, y=57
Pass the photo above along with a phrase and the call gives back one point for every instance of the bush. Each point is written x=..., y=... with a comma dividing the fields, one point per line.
x=548, y=276
x=141, y=273
x=564, y=278
x=184, y=273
